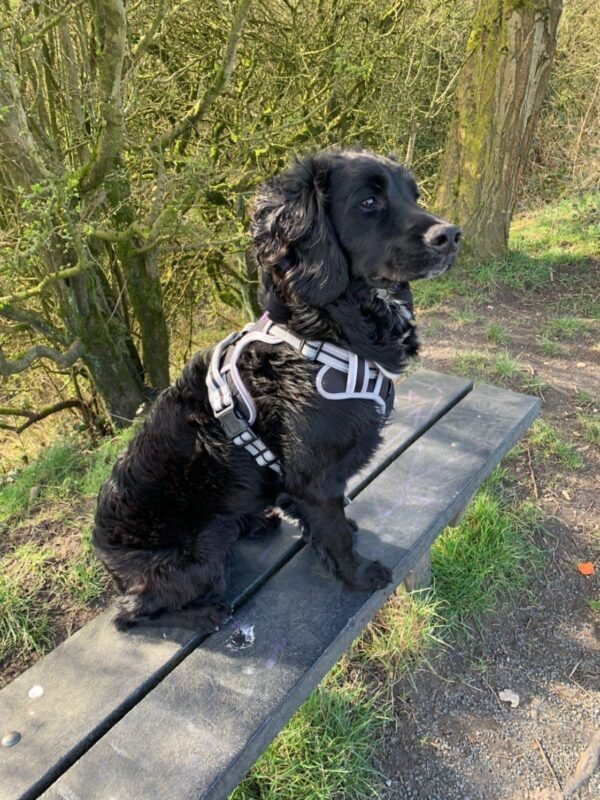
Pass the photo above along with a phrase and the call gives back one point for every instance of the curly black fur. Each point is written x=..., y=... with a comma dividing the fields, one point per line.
x=337, y=239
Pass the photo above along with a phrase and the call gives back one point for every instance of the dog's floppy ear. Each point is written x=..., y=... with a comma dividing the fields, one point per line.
x=295, y=240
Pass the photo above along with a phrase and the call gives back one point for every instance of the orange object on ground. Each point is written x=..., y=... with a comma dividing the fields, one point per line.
x=586, y=569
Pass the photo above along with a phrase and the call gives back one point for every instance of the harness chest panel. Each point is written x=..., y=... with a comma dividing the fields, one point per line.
x=342, y=376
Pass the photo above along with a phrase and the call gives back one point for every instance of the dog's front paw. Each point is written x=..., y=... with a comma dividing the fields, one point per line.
x=370, y=576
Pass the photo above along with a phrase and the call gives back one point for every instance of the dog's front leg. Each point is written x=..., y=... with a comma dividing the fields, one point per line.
x=331, y=536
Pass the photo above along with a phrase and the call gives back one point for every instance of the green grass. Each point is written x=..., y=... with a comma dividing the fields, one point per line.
x=434, y=293
x=463, y=316
x=548, y=444
x=499, y=368
x=550, y=348
x=325, y=750
x=595, y=606
x=585, y=399
x=56, y=472
x=590, y=426
x=488, y=559
x=505, y=367
x=472, y=365
x=495, y=333
x=565, y=328
x=64, y=470
x=34, y=584
x=566, y=231
x=24, y=617
x=405, y=628
x=100, y=460
x=82, y=577
x=31, y=587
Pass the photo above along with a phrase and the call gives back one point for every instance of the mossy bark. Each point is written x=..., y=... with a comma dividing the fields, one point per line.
x=141, y=273
x=499, y=95
x=108, y=352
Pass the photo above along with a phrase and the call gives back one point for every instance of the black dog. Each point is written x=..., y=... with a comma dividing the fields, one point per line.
x=338, y=237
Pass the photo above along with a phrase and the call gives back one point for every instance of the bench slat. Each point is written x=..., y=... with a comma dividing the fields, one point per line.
x=93, y=678
x=200, y=730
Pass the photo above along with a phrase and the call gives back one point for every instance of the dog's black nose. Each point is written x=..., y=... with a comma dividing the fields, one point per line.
x=443, y=236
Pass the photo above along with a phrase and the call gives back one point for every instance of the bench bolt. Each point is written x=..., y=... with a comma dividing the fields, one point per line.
x=11, y=738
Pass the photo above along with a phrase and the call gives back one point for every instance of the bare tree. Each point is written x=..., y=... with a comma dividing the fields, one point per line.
x=133, y=135
x=79, y=254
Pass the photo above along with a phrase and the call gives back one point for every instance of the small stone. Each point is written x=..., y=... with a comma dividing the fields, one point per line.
x=11, y=738
x=34, y=493
x=35, y=692
x=508, y=696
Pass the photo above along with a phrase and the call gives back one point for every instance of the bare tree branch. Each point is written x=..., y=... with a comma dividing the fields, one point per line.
x=148, y=38
x=70, y=272
x=31, y=319
x=219, y=82
x=36, y=416
x=111, y=68
x=63, y=360
x=51, y=22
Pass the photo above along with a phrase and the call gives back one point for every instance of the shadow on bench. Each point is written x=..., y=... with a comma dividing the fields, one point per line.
x=155, y=715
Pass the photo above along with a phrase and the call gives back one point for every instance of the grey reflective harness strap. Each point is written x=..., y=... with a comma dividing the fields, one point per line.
x=343, y=376
x=221, y=398
x=337, y=362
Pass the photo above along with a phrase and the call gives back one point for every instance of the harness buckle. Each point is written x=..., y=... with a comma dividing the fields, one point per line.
x=231, y=423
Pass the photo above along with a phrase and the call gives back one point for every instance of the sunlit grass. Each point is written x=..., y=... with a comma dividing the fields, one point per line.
x=590, y=426
x=325, y=750
x=488, y=559
x=565, y=328
x=24, y=610
x=550, y=348
x=548, y=444
x=542, y=243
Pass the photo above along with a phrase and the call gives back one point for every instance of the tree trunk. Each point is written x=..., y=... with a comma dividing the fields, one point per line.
x=141, y=273
x=499, y=95
x=107, y=347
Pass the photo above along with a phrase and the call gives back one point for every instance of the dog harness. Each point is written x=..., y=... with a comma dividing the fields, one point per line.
x=343, y=376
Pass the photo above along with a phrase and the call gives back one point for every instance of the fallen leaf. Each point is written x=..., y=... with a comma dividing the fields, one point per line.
x=587, y=568
x=508, y=696
x=566, y=494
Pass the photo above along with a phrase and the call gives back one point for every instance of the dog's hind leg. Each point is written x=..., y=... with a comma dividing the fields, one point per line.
x=203, y=616
x=180, y=588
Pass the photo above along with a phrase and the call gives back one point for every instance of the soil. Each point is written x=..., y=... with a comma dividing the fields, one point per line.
x=452, y=737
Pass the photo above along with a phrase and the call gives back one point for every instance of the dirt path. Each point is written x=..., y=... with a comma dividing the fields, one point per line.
x=453, y=738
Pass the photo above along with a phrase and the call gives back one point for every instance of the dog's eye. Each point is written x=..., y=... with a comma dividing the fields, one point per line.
x=370, y=203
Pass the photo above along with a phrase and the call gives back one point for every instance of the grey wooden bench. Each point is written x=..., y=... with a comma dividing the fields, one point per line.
x=166, y=715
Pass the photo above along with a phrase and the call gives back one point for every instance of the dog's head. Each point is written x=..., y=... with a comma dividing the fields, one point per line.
x=341, y=215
